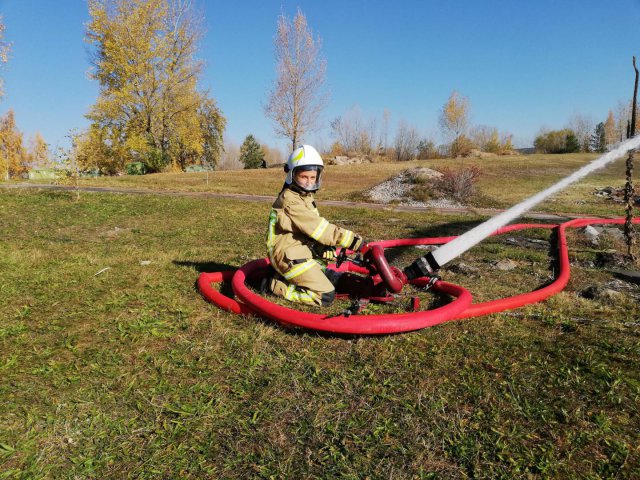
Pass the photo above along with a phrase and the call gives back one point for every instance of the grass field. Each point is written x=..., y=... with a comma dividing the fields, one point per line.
x=505, y=180
x=114, y=367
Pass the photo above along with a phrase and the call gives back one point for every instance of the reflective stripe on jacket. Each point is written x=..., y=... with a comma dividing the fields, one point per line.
x=294, y=225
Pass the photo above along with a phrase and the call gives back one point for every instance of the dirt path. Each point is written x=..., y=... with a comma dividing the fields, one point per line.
x=266, y=198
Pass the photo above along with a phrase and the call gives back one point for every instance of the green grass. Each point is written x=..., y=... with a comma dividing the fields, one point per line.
x=130, y=373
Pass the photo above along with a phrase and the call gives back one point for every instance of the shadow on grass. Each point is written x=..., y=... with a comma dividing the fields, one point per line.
x=430, y=231
x=226, y=289
x=460, y=227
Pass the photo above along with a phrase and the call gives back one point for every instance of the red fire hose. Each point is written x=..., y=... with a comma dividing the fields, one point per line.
x=460, y=308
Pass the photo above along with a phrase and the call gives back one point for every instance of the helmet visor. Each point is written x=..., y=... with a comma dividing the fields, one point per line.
x=307, y=177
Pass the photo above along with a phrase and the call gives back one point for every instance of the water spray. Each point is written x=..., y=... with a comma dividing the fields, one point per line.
x=429, y=264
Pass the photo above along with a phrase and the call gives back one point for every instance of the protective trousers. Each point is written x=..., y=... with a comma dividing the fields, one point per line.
x=307, y=285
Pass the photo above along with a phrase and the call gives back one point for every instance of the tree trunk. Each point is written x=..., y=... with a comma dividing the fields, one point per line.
x=634, y=102
x=629, y=197
x=629, y=191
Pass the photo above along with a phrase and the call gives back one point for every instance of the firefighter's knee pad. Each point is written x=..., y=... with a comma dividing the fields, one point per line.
x=327, y=298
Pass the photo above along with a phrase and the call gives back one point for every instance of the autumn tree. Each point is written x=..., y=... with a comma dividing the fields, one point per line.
x=251, y=154
x=610, y=129
x=149, y=107
x=4, y=52
x=454, y=122
x=13, y=156
x=296, y=98
x=38, y=152
x=273, y=155
x=582, y=126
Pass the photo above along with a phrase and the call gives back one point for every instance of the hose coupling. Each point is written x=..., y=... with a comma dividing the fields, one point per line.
x=425, y=266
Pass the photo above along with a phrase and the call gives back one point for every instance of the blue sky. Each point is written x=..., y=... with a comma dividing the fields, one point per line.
x=522, y=64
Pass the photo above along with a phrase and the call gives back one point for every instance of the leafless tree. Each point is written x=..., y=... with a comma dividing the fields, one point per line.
x=273, y=155
x=622, y=116
x=354, y=132
x=230, y=159
x=582, y=126
x=296, y=98
x=406, y=141
x=386, y=116
x=610, y=130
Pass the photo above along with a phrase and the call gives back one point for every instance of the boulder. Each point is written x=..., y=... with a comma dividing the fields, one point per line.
x=592, y=234
x=504, y=265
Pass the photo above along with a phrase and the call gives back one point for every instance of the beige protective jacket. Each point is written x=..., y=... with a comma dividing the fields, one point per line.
x=294, y=226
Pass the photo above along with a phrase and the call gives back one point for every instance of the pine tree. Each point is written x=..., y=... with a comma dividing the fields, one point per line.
x=572, y=145
x=598, y=140
x=251, y=153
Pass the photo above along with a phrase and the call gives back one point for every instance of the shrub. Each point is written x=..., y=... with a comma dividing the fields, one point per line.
x=136, y=168
x=459, y=184
x=557, y=141
x=461, y=147
x=427, y=149
x=156, y=160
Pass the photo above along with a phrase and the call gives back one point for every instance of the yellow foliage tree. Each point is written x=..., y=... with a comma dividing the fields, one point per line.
x=610, y=136
x=38, y=152
x=454, y=122
x=454, y=116
x=149, y=108
x=13, y=156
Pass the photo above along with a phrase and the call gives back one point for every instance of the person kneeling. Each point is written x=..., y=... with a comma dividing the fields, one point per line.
x=300, y=243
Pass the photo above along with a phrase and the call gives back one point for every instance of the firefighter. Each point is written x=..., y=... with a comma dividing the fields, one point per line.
x=300, y=243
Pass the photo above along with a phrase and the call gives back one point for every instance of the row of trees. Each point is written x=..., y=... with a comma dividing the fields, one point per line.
x=355, y=135
x=150, y=108
x=582, y=134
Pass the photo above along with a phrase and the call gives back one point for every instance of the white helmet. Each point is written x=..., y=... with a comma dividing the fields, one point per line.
x=303, y=159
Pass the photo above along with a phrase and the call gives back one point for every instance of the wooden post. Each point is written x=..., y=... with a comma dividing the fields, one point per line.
x=629, y=198
x=629, y=191
x=634, y=102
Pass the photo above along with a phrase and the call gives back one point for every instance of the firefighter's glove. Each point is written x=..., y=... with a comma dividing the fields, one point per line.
x=357, y=244
x=329, y=254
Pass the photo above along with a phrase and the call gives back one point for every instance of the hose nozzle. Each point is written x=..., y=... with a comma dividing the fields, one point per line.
x=426, y=266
